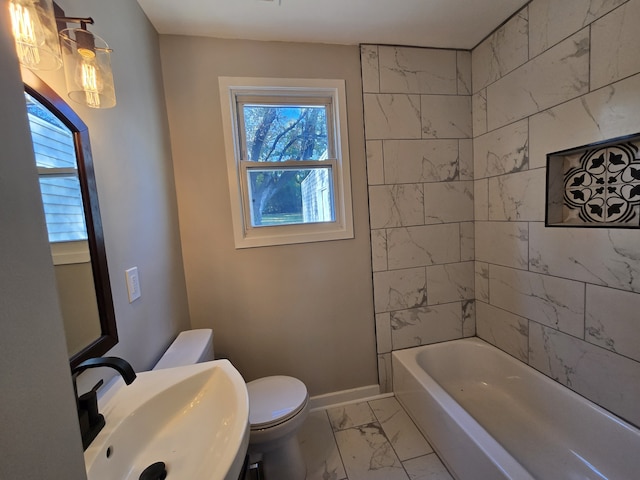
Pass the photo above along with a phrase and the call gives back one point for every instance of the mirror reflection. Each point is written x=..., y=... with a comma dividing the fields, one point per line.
x=65, y=172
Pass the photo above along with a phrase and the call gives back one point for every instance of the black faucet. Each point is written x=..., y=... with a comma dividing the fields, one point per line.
x=91, y=421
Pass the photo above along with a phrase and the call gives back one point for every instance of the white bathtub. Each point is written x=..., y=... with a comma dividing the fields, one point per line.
x=490, y=416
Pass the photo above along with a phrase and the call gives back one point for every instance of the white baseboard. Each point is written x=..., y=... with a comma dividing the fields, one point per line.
x=345, y=397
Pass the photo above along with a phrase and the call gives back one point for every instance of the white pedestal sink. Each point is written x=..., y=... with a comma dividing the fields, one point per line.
x=195, y=419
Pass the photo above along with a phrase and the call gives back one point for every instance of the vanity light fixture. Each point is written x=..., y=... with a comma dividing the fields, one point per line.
x=39, y=35
x=87, y=65
x=36, y=35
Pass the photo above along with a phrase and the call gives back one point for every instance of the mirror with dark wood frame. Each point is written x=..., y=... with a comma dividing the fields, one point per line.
x=81, y=299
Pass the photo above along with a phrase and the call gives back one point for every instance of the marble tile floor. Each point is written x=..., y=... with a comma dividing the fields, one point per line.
x=373, y=440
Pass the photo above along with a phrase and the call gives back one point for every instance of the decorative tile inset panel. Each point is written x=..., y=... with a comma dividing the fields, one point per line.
x=601, y=185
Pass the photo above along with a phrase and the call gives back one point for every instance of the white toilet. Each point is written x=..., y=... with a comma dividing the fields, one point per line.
x=278, y=406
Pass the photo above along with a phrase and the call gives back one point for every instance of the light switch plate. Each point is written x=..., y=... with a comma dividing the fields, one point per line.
x=133, y=284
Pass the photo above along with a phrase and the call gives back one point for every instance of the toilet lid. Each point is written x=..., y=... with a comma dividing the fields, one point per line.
x=272, y=400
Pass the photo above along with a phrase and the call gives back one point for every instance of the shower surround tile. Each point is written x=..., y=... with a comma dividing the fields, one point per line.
x=447, y=202
x=557, y=75
x=450, y=283
x=503, y=243
x=612, y=320
x=614, y=45
x=463, y=59
x=607, y=257
x=446, y=116
x=503, y=329
x=610, y=380
x=383, y=332
x=479, y=112
x=370, y=68
x=417, y=70
x=501, y=151
x=551, y=21
x=552, y=301
x=368, y=455
x=404, y=436
x=426, y=325
x=482, y=281
x=609, y=112
x=423, y=245
x=392, y=116
x=518, y=196
x=379, y=250
x=502, y=52
x=400, y=289
x=385, y=373
x=412, y=161
x=465, y=158
x=467, y=242
x=375, y=162
x=481, y=200
x=468, y=318
x=396, y=205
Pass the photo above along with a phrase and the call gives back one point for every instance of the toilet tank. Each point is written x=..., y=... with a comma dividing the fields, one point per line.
x=189, y=347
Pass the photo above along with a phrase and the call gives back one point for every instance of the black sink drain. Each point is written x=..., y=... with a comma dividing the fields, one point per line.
x=156, y=471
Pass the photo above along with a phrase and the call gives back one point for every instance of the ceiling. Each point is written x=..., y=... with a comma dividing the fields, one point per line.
x=428, y=23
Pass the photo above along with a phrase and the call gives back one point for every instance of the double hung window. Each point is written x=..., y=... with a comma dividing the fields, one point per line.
x=287, y=159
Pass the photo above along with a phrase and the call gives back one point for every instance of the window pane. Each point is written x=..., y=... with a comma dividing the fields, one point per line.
x=63, y=208
x=54, y=149
x=286, y=132
x=281, y=196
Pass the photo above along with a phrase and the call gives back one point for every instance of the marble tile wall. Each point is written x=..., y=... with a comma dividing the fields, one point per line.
x=559, y=74
x=419, y=129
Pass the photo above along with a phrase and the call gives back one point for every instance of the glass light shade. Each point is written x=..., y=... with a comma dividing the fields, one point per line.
x=87, y=68
x=36, y=35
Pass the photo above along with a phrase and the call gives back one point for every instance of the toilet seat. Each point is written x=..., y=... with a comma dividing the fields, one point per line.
x=274, y=400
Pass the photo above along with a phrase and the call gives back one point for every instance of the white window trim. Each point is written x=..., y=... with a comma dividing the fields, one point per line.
x=244, y=235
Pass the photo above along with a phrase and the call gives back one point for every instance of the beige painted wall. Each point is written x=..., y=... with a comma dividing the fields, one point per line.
x=304, y=310
x=38, y=434
x=136, y=190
